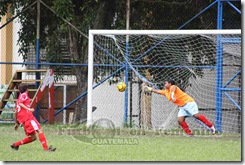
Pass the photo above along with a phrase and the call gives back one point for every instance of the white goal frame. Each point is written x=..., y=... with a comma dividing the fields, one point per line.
x=133, y=32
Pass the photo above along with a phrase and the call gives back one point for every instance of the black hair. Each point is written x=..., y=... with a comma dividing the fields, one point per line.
x=171, y=81
x=23, y=87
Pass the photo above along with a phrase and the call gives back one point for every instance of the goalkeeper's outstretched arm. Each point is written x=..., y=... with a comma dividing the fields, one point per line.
x=153, y=90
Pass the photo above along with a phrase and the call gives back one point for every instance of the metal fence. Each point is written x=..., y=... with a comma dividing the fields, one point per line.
x=37, y=55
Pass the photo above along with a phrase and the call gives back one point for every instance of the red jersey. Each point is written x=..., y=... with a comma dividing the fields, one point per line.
x=22, y=113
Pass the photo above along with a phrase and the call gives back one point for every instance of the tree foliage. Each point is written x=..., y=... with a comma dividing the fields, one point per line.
x=59, y=38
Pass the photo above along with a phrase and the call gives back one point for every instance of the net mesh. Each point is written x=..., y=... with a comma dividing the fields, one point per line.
x=151, y=59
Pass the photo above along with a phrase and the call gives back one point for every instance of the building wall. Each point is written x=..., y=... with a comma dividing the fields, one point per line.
x=9, y=49
x=6, y=49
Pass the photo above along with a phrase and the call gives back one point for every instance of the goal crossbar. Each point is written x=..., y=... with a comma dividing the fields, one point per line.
x=137, y=32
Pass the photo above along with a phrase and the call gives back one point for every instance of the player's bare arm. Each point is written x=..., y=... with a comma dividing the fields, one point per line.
x=172, y=93
x=16, y=121
x=27, y=108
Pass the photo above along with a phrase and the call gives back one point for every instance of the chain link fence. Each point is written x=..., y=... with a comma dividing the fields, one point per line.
x=55, y=46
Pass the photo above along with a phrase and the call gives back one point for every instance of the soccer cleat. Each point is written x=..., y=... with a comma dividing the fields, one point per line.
x=14, y=147
x=188, y=134
x=50, y=148
x=212, y=129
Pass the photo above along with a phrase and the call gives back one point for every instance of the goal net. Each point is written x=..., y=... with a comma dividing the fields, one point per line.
x=206, y=64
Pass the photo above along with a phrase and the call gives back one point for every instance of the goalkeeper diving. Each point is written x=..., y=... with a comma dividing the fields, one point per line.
x=187, y=105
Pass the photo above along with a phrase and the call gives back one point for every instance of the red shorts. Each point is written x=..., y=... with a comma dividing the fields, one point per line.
x=31, y=126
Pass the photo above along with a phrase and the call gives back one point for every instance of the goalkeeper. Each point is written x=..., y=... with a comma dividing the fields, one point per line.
x=187, y=105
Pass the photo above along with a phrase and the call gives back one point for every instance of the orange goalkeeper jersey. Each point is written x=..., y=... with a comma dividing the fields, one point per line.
x=181, y=97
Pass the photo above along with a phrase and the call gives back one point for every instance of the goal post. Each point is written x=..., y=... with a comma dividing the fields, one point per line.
x=90, y=78
x=205, y=63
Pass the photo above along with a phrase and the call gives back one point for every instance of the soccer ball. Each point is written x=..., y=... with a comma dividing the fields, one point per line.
x=121, y=87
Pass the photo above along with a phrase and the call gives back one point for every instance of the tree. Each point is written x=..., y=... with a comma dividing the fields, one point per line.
x=59, y=38
x=56, y=34
x=83, y=15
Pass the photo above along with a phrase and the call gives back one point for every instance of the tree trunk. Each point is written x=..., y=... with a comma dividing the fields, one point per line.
x=104, y=15
x=102, y=20
x=145, y=118
x=80, y=113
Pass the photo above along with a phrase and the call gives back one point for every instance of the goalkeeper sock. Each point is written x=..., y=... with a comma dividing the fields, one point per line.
x=185, y=127
x=23, y=141
x=205, y=120
x=43, y=141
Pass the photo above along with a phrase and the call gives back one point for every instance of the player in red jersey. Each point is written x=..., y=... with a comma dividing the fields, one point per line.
x=24, y=116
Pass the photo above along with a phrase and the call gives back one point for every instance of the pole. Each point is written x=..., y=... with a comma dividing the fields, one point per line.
x=90, y=79
x=127, y=14
x=36, y=113
x=219, y=70
x=38, y=39
x=51, y=97
x=126, y=67
x=64, y=104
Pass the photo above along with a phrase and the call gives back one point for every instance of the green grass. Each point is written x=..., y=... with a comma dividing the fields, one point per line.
x=149, y=148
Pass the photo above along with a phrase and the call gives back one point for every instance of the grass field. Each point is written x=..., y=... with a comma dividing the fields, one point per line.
x=149, y=148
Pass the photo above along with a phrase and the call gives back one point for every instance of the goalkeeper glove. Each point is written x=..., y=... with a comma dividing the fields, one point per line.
x=149, y=88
